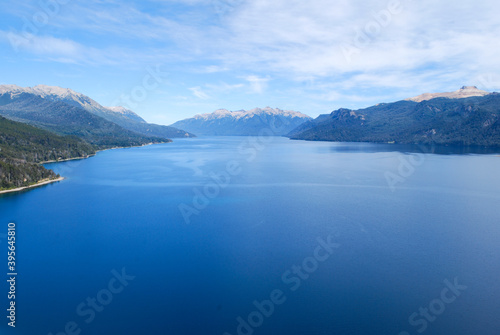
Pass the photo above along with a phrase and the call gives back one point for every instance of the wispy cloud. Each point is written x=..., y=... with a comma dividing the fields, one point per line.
x=223, y=87
x=237, y=46
x=42, y=44
x=293, y=38
x=198, y=92
x=257, y=84
x=213, y=69
x=61, y=50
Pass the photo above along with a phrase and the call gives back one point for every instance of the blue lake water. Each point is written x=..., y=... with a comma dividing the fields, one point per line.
x=260, y=236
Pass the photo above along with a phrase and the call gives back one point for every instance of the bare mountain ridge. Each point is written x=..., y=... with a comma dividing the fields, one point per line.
x=464, y=92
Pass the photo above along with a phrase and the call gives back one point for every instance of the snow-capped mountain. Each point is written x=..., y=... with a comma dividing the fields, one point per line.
x=464, y=92
x=72, y=98
x=126, y=113
x=223, y=122
x=243, y=114
x=118, y=115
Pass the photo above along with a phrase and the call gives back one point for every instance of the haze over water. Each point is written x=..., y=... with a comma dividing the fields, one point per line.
x=396, y=247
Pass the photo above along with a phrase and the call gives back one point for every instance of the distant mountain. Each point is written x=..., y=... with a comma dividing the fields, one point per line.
x=128, y=120
x=239, y=123
x=444, y=120
x=119, y=115
x=23, y=146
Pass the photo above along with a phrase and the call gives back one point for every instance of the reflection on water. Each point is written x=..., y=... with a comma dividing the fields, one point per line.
x=412, y=148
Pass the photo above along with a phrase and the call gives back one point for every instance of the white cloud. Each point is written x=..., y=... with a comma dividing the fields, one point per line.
x=213, y=69
x=257, y=84
x=294, y=38
x=59, y=49
x=41, y=44
x=223, y=87
x=198, y=92
x=426, y=46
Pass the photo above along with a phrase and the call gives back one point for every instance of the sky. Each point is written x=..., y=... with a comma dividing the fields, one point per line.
x=171, y=59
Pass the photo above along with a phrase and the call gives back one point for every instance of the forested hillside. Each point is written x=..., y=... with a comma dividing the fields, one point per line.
x=23, y=147
x=473, y=121
x=64, y=119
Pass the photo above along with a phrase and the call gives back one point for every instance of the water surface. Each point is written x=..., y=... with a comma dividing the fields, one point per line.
x=404, y=220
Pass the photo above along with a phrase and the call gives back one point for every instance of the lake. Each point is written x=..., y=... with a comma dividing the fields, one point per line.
x=235, y=235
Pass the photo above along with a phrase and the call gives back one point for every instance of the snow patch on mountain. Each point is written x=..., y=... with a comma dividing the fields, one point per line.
x=464, y=92
x=55, y=93
x=223, y=122
x=243, y=114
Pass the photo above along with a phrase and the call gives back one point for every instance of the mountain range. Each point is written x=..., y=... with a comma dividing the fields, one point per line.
x=465, y=117
x=52, y=123
x=257, y=121
x=68, y=112
x=45, y=123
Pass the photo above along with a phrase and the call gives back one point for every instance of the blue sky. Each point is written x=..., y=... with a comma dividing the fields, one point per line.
x=171, y=59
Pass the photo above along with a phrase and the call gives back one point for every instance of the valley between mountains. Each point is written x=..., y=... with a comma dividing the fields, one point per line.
x=47, y=123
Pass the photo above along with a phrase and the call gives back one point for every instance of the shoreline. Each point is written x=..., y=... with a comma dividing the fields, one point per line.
x=67, y=159
x=46, y=182
x=97, y=151
x=40, y=183
x=134, y=146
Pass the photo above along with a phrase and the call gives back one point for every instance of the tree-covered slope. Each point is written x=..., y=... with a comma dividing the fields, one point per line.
x=64, y=119
x=467, y=121
x=22, y=147
x=144, y=128
x=119, y=115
